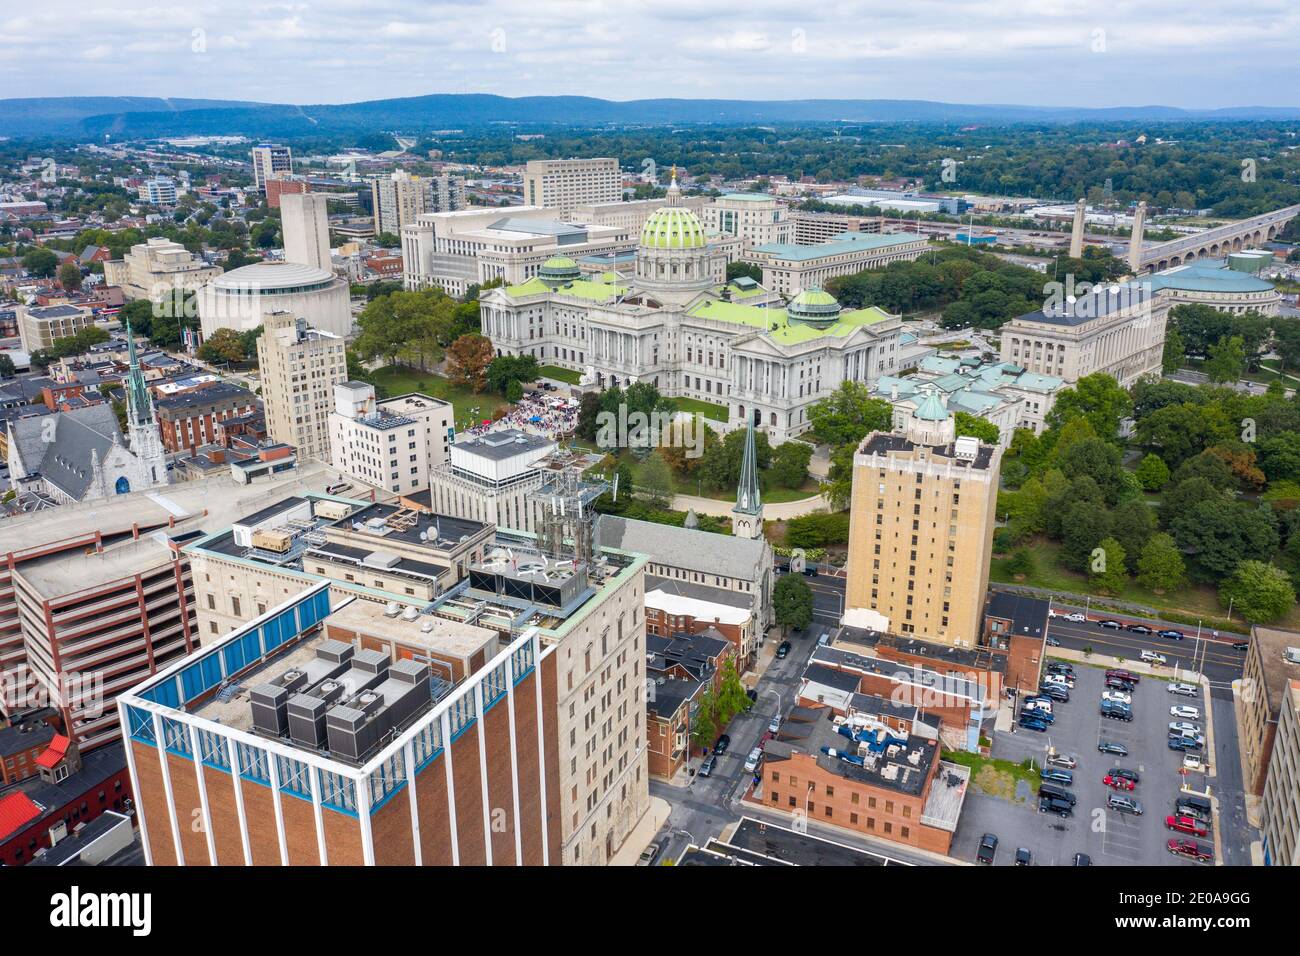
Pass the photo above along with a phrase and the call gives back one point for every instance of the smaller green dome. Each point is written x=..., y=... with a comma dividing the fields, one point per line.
x=559, y=270
x=813, y=306
x=931, y=408
x=673, y=227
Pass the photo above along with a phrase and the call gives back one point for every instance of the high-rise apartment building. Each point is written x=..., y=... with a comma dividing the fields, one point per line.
x=756, y=218
x=392, y=444
x=159, y=192
x=156, y=267
x=304, y=219
x=1280, y=806
x=921, y=528
x=300, y=367
x=281, y=185
x=564, y=183
x=399, y=197
x=268, y=160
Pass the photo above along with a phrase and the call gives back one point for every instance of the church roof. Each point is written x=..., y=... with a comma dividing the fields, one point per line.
x=61, y=448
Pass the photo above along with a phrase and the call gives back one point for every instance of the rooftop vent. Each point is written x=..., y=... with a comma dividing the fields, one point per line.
x=1293, y=655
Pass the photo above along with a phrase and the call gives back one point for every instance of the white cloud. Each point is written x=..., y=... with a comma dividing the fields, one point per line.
x=1036, y=51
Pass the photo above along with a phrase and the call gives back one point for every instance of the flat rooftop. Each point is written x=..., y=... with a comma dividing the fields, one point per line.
x=75, y=571
x=383, y=521
x=882, y=443
x=437, y=634
x=782, y=845
x=1279, y=670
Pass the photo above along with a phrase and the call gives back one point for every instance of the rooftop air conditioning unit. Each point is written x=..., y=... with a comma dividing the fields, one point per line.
x=411, y=614
x=392, y=609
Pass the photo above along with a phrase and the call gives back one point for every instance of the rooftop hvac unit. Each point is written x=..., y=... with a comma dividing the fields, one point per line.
x=307, y=720
x=392, y=609
x=411, y=614
x=1293, y=655
x=371, y=662
x=967, y=448
x=427, y=627
x=331, y=510
x=291, y=680
x=277, y=540
x=329, y=691
x=270, y=709
x=335, y=651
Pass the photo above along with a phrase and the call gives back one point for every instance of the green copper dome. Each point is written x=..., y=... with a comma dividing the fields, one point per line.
x=813, y=306
x=559, y=270
x=931, y=408
x=673, y=227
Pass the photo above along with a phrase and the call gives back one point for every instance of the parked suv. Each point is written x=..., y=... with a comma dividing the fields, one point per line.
x=1124, y=803
x=1056, y=792
x=1062, y=808
x=1183, y=690
x=1057, y=775
x=988, y=848
x=1116, y=711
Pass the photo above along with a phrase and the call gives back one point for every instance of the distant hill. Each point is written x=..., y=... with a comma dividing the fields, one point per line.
x=95, y=116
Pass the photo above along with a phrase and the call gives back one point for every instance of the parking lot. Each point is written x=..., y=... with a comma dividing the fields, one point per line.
x=1110, y=838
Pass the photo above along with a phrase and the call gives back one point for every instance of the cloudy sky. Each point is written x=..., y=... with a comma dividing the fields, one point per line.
x=1191, y=53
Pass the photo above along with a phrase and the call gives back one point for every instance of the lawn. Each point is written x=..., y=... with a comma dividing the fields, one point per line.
x=1194, y=601
x=565, y=375
x=399, y=379
x=686, y=485
x=708, y=409
x=993, y=776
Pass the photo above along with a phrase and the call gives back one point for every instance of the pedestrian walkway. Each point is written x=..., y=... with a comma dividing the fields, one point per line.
x=655, y=817
x=780, y=511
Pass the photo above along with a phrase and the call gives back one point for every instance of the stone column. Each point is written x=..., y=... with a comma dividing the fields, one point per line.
x=1076, y=235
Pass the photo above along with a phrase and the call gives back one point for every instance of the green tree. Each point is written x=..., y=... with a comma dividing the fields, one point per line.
x=792, y=601
x=1220, y=534
x=747, y=270
x=1260, y=591
x=1175, y=353
x=790, y=464
x=223, y=345
x=40, y=262
x=1227, y=360
x=704, y=720
x=1083, y=526
x=655, y=480
x=1132, y=524
x=732, y=699
x=70, y=275
x=1106, y=571
x=1099, y=399
x=1152, y=473
x=514, y=391
x=1021, y=563
x=1279, y=456
x=505, y=369
x=976, y=427
x=1160, y=566
x=848, y=415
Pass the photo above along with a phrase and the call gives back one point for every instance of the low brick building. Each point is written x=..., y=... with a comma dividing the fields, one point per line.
x=190, y=419
x=860, y=775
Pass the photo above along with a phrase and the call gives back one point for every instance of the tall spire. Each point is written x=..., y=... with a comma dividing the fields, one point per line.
x=747, y=515
x=674, y=191
x=138, y=403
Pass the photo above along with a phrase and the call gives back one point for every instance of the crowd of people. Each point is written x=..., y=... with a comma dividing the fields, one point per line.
x=536, y=413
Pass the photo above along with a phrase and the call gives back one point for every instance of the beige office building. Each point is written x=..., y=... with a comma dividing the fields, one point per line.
x=562, y=184
x=304, y=219
x=300, y=367
x=1280, y=807
x=152, y=269
x=1272, y=663
x=755, y=218
x=921, y=528
x=1119, y=330
x=392, y=445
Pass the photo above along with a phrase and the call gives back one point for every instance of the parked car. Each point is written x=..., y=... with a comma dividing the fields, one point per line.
x=1127, y=676
x=1241, y=645
x=752, y=694
x=1057, y=775
x=1194, y=806
x=988, y=848
x=1125, y=773
x=1062, y=808
x=1151, y=657
x=782, y=650
x=810, y=571
x=1077, y=616
x=1068, y=761
x=1039, y=704
x=1082, y=859
x=1116, y=711
x=1195, y=763
x=1172, y=635
x=1065, y=667
x=1124, y=803
x=1183, y=710
x=1112, y=748
x=649, y=854
x=1110, y=625
x=1189, y=825
x=706, y=768
x=1030, y=722
x=1062, y=680
x=1192, y=850
x=754, y=759
x=721, y=746
x=1056, y=792
x=1118, y=783
x=1183, y=727
x=823, y=640
x=774, y=724
x=1185, y=743
x=1053, y=642
x=1023, y=856
x=1057, y=692
x=1137, y=628
x=1183, y=690
x=1117, y=697
x=1123, y=686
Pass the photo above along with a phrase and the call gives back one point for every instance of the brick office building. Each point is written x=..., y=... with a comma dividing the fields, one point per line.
x=863, y=776
x=190, y=419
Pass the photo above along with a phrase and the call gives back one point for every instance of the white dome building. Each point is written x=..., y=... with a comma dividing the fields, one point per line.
x=673, y=252
x=240, y=298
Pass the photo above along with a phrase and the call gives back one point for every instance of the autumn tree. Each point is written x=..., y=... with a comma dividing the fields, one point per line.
x=468, y=359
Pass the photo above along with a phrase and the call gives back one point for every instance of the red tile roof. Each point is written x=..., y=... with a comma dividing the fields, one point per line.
x=58, y=749
x=16, y=809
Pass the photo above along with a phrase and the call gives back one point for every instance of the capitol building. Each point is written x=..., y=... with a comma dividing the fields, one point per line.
x=675, y=322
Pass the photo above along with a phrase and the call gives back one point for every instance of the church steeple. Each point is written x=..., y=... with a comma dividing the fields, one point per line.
x=747, y=515
x=139, y=404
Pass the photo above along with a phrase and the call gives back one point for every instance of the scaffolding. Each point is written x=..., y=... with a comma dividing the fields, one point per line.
x=565, y=498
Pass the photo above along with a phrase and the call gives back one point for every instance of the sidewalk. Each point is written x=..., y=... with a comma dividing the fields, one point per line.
x=655, y=817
